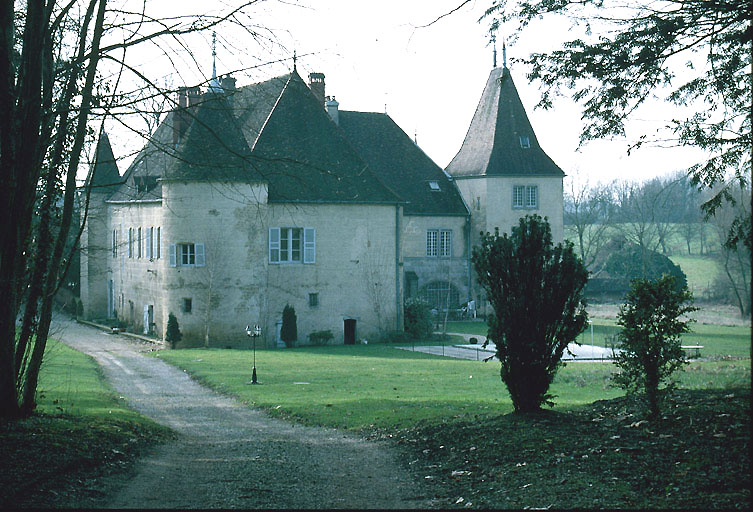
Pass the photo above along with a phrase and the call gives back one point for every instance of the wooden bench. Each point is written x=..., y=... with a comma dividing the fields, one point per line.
x=697, y=349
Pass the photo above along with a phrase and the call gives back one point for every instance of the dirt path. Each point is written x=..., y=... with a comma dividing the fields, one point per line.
x=230, y=456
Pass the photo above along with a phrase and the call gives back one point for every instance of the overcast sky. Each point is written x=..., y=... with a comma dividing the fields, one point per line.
x=378, y=55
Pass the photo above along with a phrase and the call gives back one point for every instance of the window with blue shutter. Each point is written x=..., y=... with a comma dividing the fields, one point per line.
x=309, y=245
x=274, y=245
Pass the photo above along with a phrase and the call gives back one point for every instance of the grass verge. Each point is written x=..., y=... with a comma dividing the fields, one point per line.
x=80, y=431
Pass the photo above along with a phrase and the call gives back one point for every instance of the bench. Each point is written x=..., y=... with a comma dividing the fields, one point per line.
x=697, y=349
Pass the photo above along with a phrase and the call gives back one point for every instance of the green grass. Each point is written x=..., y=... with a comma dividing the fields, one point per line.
x=700, y=271
x=81, y=428
x=71, y=382
x=378, y=386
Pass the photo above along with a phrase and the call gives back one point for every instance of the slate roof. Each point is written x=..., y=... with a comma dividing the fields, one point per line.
x=401, y=164
x=492, y=146
x=105, y=175
x=213, y=147
x=274, y=131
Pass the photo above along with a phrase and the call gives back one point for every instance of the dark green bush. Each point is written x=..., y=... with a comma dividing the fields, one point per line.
x=321, y=337
x=289, y=329
x=419, y=322
x=173, y=334
x=633, y=262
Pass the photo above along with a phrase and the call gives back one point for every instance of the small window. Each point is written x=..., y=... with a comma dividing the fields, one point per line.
x=313, y=300
x=139, y=242
x=434, y=186
x=130, y=242
x=187, y=305
x=525, y=142
x=187, y=255
x=114, y=243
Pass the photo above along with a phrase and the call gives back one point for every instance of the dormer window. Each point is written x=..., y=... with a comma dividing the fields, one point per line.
x=434, y=186
x=525, y=142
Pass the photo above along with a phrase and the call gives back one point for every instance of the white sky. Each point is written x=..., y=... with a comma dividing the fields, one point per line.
x=431, y=78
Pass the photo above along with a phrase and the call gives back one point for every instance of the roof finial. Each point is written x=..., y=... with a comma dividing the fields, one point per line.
x=214, y=83
x=295, y=58
x=504, y=54
x=494, y=42
x=214, y=54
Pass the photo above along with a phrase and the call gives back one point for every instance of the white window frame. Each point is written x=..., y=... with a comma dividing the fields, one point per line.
x=282, y=242
x=148, y=241
x=445, y=243
x=532, y=196
x=432, y=242
x=187, y=254
x=518, y=196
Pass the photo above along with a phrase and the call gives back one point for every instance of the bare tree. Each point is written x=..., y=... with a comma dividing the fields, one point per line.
x=589, y=211
x=52, y=89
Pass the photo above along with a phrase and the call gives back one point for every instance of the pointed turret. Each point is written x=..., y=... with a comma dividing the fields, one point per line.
x=104, y=175
x=501, y=140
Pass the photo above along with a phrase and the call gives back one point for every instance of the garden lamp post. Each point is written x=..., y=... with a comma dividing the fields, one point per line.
x=253, y=333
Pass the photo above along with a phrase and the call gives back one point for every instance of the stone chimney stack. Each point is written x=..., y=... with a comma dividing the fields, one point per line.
x=332, y=109
x=180, y=121
x=228, y=84
x=316, y=84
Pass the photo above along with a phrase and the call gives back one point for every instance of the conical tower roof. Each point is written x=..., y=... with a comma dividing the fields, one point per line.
x=105, y=176
x=213, y=147
x=501, y=140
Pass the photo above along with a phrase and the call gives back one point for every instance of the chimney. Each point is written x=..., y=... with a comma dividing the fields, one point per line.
x=332, y=109
x=194, y=93
x=227, y=83
x=316, y=84
x=180, y=122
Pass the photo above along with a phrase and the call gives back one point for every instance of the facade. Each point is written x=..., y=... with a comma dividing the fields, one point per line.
x=248, y=199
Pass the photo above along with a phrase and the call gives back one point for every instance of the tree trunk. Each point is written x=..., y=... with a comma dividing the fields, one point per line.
x=52, y=280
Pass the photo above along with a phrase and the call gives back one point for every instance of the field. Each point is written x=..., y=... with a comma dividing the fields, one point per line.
x=82, y=429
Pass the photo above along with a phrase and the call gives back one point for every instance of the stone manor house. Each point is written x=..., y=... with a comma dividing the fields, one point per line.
x=246, y=199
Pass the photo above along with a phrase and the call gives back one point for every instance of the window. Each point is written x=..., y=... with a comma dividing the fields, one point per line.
x=439, y=242
x=187, y=305
x=187, y=255
x=313, y=300
x=431, y=242
x=157, y=243
x=525, y=196
x=291, y=245
x=434, y=186
x=440, y=295
x=148, y=241
x=478, y=203
x=532, y=197
x=114, y=243
x=445, y=243
x=525, y=142
x=138, y=242
x=130, y=242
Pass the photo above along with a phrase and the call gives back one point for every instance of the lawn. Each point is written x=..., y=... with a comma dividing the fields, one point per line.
x=450, y=420
x=80, y=429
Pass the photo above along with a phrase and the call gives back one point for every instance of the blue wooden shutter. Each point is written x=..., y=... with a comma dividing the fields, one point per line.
x=200, y=255
x=274, y=245
x=309, y=245
x=173, y=256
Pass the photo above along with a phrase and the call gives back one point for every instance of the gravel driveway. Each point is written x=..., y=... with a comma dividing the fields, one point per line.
x=230, y=456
